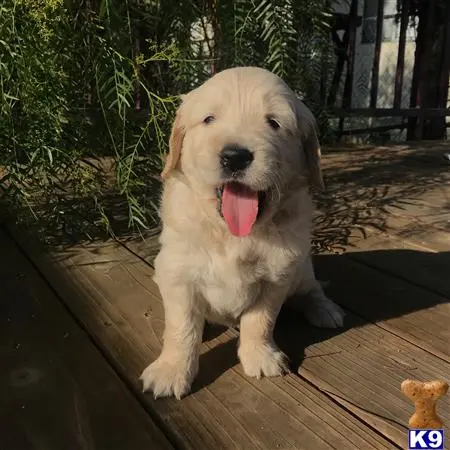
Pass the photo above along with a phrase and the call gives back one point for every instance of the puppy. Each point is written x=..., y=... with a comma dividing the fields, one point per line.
x=237, y=213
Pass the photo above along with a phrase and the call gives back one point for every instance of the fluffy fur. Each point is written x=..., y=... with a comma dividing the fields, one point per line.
x=203, y=271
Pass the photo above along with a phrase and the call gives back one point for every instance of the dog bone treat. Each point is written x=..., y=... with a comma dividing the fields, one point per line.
x=424, y=396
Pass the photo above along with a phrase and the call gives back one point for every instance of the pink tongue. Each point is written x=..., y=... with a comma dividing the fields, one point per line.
x=239, y=208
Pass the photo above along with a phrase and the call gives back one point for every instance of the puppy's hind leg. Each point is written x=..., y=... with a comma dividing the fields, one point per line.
x=310, y=299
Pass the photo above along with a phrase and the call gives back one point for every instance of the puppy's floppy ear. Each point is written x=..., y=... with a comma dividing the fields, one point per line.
x=175, y=144
x=310, y=145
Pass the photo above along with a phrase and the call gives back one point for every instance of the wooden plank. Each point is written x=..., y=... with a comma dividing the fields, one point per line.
x=405, y=310
x=399, y=71
x=375, y=129
x=57, y=390
x=376, y=55
x=390, y=112
x=403, y=259
x=294, y=340
x=414, y=313
x=389, y=210
x=416, y=330
x=112, y=292
x=427, y=230
x=402, y=190
x=418, y=221
x=364, y=365
x=362, y=369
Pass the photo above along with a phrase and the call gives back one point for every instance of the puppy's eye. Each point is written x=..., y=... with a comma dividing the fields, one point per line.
x=208, y=119
x=273, y=123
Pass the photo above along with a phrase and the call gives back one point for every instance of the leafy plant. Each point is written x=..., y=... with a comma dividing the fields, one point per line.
x=88, y=89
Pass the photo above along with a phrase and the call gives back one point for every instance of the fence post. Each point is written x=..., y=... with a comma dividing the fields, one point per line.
x=401, y=55
x=376, y=56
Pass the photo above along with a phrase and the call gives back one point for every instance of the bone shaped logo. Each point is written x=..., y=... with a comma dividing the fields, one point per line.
x=424, y=396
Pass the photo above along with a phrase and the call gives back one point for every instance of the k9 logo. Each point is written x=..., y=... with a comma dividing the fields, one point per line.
x=426, y=439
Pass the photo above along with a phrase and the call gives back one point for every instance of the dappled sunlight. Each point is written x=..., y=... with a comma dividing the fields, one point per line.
x=403, y=189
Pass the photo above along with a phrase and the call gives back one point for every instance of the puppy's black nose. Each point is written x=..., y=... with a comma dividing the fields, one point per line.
x=234, y=158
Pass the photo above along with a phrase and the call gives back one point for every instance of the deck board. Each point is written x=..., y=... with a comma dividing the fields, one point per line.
x=57, y=390
x=110, y=285
x=363, y=369
x=399, y=258
x=409, y=311
x=382, y=232
x=400, y=190
x=401, y=229
x=388, y=211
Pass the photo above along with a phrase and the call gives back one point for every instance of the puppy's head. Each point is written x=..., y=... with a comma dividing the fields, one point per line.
x=244, y=135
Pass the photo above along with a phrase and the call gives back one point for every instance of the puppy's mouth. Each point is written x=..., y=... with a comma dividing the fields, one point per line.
x=240, y=207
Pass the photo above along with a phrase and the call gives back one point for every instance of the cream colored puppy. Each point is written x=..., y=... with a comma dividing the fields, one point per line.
x=237, y=213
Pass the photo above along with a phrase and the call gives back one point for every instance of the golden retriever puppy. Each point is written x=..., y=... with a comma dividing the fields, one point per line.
x=237, y=213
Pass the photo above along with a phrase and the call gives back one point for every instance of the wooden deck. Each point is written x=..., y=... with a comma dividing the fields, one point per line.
x=78, y=324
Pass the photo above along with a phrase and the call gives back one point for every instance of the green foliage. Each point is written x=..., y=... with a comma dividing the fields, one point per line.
x=88, y=81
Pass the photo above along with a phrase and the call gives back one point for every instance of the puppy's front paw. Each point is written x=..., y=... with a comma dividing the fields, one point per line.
x=325, y=314
x=262, y=360
x=168, y=378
